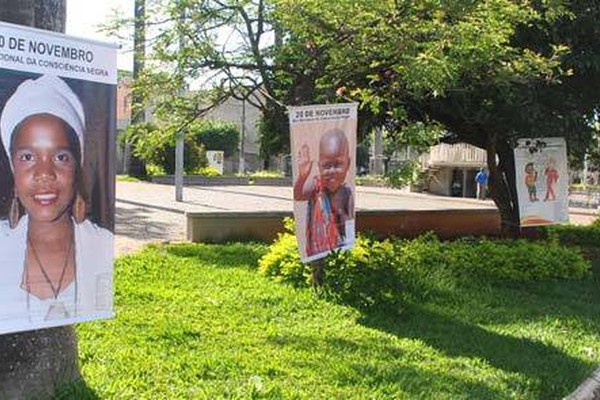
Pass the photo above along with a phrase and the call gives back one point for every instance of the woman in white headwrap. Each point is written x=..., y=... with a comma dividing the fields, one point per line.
x=55, y=265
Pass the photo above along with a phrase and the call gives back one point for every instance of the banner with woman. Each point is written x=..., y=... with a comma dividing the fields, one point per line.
x=57, y=122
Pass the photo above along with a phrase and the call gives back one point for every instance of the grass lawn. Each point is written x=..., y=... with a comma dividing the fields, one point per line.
x=198, y=321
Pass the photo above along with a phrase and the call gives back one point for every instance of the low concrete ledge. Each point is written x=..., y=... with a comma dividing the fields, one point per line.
x=218, y=227
x=447, y=224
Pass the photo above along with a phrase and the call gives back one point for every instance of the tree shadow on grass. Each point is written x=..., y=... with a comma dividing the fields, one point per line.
x=556, y=372
x=76, y=390
x=221, y=255
x=140, y=223
x=381, y=369
x=505, y=303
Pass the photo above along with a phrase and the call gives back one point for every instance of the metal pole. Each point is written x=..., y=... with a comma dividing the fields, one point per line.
x=585, y=171
x=378, y=152
x=242, y=166
x=179, y=167
x=179, y=142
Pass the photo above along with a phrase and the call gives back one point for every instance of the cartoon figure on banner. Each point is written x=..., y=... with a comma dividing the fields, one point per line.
x=551, y=179
x=531, y=181
x=53, y=261
x=330, y=200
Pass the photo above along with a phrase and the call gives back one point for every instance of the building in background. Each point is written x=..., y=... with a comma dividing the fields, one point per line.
x=244, y=115
x=451, y=169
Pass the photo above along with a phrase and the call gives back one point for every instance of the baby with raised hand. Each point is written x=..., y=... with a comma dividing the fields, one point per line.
x=330, y=199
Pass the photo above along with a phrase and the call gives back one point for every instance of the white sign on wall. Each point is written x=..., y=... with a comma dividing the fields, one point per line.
x=216, y=159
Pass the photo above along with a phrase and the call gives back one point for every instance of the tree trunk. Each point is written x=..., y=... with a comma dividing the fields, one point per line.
x=21, y=12
x=136, y=166
x=501, y=165
x=36, y=363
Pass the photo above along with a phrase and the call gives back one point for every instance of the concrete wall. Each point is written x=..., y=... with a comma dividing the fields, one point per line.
x=217, y=227
x=439, y=183
x=245, y=117
x=442, y=179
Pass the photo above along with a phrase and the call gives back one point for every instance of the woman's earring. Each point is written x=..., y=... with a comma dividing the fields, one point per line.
x=78, y=210
x=14, y=214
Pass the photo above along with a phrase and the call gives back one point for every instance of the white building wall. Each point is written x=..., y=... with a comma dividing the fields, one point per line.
x=246, y=121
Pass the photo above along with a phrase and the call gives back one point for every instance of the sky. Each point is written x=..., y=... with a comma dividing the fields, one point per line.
x=84, y=18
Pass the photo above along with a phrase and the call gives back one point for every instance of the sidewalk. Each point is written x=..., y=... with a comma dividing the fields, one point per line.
x=147, y=212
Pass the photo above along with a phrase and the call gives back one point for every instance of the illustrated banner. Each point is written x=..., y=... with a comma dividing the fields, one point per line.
x=323, y=148
x=216, y=159
x=542, y=181
x=57, y=178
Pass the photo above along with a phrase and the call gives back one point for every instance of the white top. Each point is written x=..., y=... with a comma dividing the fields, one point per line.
x=89, y=296
x=50, y=309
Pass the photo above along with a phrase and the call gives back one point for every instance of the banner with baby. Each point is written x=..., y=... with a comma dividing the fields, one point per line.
x=57, y=122
x=323, y=148
x=542, y=181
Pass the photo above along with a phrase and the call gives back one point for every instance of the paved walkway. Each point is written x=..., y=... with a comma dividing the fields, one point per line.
x=147, y=212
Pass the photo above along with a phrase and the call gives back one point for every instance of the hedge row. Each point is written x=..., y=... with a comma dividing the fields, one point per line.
x=377, y=273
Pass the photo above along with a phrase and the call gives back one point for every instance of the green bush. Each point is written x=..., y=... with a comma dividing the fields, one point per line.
x=194, y=156
x=376, y=180
x=514, y=260
x=209, y=171
x=574, y=235
x=363, y=277
x=484, y=260
x=156, y=146
x=405, y=175
x=265, y=174
x=282, y=261
x=216, y=135
x=375, y=273
x=366, y=277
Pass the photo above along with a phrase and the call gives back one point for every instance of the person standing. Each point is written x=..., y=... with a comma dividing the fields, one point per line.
x=482, y=180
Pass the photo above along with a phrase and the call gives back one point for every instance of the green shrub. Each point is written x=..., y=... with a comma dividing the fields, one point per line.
x=282, y=262
x=574, y=235
x=265, y=174
x=216, y=135
x=366, y=277
x=363, y=277
x=209, y=171
x=485, y=260
x=157, y=147
x=194, y=156
x=154, y=170
x=405, y=175
x=370, y=180
x=515, y=260
x=375, y=273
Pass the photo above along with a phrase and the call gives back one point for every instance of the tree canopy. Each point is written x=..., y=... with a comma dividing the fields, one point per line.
x=483, y=72
x=480, y=72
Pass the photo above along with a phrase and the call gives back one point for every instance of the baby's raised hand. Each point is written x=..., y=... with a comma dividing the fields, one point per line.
x=304, y=161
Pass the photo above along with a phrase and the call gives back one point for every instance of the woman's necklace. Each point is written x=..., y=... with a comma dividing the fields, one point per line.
x=55, y=290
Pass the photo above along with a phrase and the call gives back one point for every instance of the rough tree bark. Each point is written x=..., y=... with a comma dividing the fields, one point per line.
x=500, y=159
x=35, y=363
x=501, y=166
x=136, y=165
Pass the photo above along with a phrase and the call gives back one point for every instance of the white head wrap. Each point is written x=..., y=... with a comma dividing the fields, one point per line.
x=46, y=95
